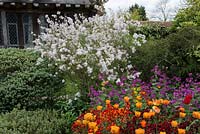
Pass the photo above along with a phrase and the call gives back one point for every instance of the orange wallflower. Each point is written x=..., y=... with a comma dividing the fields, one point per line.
x=143, y=123
x=138, y=105
x=137, y=114
x=139, y=131
x=182, y=115
x=181, y=131
x=115, y=130
x=126, y=99
x=99, y=108
x=174, y=123
x=116, y=106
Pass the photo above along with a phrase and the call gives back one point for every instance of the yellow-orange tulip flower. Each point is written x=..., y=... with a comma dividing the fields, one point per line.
x=139, y=131
x=115, y=130
x=99, y=108
x=126, y=99
x=162, y=132
x=174, y=123
x=137, y=114
x=182, y=115
x=181, y=131
x=116, y=106
x=138, y=105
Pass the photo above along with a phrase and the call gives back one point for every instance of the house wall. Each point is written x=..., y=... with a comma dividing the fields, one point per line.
x=19, y=20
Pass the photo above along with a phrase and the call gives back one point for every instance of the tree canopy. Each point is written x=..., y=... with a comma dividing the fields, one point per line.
x=189, y=16
x=138, y=12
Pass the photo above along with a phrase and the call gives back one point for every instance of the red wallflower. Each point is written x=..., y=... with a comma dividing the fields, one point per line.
x=187, y=99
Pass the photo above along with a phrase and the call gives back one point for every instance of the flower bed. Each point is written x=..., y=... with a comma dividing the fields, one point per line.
x=152, y=118
x=162, y=105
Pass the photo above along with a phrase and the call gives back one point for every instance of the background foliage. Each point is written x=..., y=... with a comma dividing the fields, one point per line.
x=174, y=52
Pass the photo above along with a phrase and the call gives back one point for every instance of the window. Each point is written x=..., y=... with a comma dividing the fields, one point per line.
x=12, y=29
x=43, y=23
x=1, y=34
x=27, y=29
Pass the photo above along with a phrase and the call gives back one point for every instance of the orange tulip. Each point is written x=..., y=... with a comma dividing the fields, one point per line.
x=139, y=131
x=115, y=130
x=116, y=106
x=92, y=125
x=149, y=103
x=143, y=123
x=126, y=99
x=139, y=98
x=182, y=115
x=89, y=117
x=156, y=109
x=166, y=102
x=146, y=115
x=142, y=93
x=137, y=114
x=196, y=115
x=162, y=132
x=181, y=109
x=107, y=102
x=139, y=105
x=85, y=122
x=99, y=108
x=181, y=131
x=174, y=123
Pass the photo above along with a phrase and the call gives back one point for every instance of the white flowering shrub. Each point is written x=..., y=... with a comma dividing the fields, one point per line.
x=99, y=44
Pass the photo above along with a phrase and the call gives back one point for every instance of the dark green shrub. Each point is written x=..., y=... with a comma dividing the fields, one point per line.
x=173, y=52
x=25, y=83
x=12, y=60
x=32, y=122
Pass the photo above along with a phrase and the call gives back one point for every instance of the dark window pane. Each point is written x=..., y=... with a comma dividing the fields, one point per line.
x=26, y=34
x=25, y=18
x=11, y=18
x=12, y=33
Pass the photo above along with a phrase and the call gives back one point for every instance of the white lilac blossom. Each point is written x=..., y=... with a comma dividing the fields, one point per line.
x=88, y=44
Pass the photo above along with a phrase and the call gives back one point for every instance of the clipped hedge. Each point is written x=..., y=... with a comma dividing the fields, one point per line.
x=32, y=122
x=25, y=83
x=12, y=60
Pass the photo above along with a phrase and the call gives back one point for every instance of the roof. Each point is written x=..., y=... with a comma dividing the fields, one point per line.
x=81, y=2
